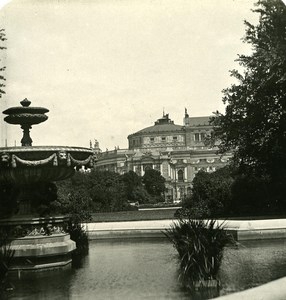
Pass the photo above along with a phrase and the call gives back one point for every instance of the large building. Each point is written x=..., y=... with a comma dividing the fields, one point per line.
x=177, y=151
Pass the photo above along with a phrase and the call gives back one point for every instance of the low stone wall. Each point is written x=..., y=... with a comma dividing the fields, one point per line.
x=241, y=230
x=132, y=229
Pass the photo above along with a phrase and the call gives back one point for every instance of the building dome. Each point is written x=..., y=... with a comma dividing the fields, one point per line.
x=163, y=124
x=164, y=133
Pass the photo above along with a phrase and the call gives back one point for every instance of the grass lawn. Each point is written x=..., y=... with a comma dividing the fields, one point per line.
x=159, y=214
x=140, y=215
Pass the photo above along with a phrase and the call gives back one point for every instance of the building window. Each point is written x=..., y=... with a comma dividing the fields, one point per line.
x=180, y=175
x=151, y=139
x=174, y=138
x=199, y=137
x=148, y=167
x=163, y=139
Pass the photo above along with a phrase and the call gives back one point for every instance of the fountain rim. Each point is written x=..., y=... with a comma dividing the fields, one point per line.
x=22, y=110
x=44, y=148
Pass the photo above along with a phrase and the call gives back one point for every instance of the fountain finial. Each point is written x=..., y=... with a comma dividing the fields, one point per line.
x=26, y=116
x=25, y=102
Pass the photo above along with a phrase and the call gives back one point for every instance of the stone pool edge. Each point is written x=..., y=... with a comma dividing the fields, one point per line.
x=273, y=290
x=241, y=230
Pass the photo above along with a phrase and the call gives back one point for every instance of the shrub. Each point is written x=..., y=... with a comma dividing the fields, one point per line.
x=182, y=213
x=79, y=235
x=200, y=247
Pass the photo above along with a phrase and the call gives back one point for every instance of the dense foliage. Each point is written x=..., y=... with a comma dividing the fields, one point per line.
x=228, y=193
x=154, y=182
x=211, y=194
x=132, y=182
x=135, y=190
x=102, y=191
x=254, y=123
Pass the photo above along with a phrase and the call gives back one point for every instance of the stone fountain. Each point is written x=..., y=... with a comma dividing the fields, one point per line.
x=27, y=174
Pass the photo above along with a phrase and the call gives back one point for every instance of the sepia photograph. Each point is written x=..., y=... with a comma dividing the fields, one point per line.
x=143, y=149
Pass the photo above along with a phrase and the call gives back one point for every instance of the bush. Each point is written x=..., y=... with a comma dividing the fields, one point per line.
x=200, y=247
x=79, y=235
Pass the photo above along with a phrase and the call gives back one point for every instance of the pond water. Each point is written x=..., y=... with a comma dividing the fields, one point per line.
x=147, y=269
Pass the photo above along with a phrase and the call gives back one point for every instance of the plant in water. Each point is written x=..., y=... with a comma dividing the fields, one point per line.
x=200, y=245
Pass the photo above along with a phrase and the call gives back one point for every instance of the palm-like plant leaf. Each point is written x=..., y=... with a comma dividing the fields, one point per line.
x=200, y=245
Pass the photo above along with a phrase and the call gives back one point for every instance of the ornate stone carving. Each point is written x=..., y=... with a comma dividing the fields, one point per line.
x=35, y=230
x=62, y=155
x=4, y=159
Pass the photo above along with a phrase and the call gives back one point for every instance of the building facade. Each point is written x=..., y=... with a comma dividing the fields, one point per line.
x=177, y=151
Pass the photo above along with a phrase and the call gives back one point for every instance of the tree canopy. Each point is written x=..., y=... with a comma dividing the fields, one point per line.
x=254, y=124
x=154, y=182
x=131, y=181
x=211, y=193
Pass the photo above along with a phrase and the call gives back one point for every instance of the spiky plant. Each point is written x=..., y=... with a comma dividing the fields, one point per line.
x=200, y=245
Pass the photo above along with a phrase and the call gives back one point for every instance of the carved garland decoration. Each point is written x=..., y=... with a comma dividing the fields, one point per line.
x=80, y=162
x=56, y=159
x=33, y=163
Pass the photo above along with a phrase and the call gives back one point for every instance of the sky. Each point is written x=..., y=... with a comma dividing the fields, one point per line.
x=108, y=68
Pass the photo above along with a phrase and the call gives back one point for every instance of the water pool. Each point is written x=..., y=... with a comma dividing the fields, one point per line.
x=147, y=269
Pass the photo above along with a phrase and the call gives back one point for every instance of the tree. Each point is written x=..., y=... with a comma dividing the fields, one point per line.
x=107, y=191
x=141, y=195
x=211, y=193
x=73, y=198
x=2, y=68
x=154, y=182
x=131, y=181
x=251, y=196
x=254, y=123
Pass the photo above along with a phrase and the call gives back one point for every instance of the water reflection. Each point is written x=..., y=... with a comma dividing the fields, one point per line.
x=147, y=269
x=251, y=264
x=129, y=270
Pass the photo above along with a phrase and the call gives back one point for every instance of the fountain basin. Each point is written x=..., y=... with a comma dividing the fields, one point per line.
x=26, y=165
x=39, y=243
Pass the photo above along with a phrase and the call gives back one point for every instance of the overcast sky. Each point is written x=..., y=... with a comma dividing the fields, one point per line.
x=108, y=68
